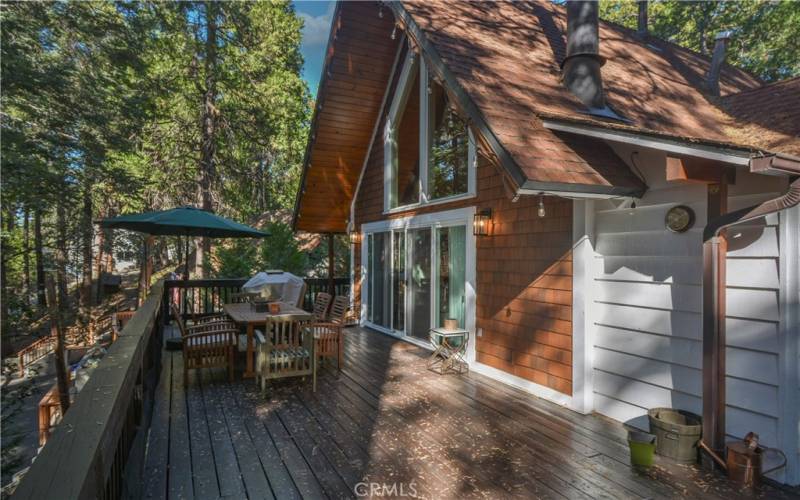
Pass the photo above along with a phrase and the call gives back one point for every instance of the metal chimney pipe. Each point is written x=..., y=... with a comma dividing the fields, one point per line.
x=717, y=58
x=581, y=67
x=641, y=27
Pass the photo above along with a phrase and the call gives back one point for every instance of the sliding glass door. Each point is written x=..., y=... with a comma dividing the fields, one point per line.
x=451, y=274
x=398, y=280
x=379, y=258
x=419, y=317
x=416, y=278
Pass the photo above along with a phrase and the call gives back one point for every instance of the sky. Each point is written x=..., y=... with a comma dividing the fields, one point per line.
x=316, y=16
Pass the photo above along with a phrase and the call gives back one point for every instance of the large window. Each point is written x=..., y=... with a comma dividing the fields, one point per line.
x=428, y=152
x=449, y=147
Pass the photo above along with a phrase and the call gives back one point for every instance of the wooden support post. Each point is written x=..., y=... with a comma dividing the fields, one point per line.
x=714, y=254
x=331, y=286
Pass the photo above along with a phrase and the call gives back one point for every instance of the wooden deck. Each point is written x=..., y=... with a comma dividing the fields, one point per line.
x=386, y=420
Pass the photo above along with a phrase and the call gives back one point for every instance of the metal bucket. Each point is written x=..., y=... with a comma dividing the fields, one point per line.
x=677, y=433
x=744, y=463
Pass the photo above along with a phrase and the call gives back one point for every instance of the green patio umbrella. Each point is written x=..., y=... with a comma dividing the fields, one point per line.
x=184, y=221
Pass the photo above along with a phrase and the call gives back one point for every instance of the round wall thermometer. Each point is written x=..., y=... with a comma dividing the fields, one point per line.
x=679, y=218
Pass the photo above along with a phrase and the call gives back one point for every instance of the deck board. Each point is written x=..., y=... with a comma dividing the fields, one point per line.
x=386, y=419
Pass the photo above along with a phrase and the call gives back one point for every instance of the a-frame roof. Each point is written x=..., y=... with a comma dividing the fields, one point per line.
x=502, y=62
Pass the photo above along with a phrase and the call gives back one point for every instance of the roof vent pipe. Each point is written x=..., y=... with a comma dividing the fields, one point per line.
x=581, y=67
x=641, y=25
x=717, y=58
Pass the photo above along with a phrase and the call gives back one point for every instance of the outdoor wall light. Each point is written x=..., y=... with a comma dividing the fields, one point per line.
x=355, y=237
x=481, y=223
x=541, y=210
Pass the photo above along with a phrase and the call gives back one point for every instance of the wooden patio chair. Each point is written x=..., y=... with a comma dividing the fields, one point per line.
x=321, y=303
x=339, y=308
x=285, y=349
x=207, y=345
x=328, y=341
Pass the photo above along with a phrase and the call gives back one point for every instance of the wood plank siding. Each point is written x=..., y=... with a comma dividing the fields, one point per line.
x=648, y=306
x=351, y=91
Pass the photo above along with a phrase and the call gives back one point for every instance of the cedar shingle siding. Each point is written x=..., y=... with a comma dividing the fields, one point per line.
x=524, y=275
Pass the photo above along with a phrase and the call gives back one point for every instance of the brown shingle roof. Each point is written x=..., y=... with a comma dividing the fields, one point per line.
x=506, y=58
x=771, y=113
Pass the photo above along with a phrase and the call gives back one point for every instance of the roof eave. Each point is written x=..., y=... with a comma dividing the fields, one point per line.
x=315, y=118
x=712, y=150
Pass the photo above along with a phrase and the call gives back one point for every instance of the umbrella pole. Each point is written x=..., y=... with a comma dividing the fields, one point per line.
x=186, y=278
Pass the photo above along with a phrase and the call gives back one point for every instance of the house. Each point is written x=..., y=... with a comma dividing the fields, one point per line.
x=559, y=186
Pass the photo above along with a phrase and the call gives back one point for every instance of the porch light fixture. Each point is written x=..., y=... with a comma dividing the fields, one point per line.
x=481, y=222
x=354, y=237
x=541, y=210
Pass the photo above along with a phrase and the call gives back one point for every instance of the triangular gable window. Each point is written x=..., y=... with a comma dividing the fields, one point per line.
x=429, y=153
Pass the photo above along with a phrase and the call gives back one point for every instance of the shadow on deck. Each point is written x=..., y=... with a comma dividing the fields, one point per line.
x=386, y=426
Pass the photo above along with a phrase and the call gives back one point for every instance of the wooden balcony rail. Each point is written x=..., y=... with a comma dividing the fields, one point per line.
x=101, y=440
x=44, y=346
x=198, y=298
x=50, y=411
x=34, y=352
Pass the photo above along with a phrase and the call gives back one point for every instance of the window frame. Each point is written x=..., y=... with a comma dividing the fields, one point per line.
x=413, y=62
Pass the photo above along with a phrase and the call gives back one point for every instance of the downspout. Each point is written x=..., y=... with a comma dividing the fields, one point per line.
x=714, y=252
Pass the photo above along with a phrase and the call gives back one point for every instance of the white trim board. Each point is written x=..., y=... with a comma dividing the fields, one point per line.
x=523, y=384
x=669, y=145
x=789, y=355
x=583, y=274
x=447, y=217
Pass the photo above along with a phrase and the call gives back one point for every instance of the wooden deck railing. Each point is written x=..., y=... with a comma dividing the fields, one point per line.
x=99, y=445
x=44, y=346
x=199, y=298
x=34, y=352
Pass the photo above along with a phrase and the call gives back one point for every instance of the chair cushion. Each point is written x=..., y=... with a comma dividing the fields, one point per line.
x=211, y=340
x=290, y=353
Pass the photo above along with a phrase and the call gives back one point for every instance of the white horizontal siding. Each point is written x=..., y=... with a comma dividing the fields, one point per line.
x=647, y=312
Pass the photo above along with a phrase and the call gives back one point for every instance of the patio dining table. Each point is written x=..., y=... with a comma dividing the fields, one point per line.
x=243, y=314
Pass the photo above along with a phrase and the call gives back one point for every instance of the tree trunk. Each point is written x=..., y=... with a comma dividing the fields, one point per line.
x=208, y=148
x=4, y=250
x=26, y=258
x=99, y=264
x=56, y=328
x=61, y=253
x=87, y=234
x=41, y=301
